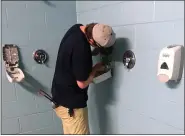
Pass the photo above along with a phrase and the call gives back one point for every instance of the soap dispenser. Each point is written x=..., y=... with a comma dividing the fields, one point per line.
x=169, y=63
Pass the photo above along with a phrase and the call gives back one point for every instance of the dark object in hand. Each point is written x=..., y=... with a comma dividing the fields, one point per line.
x=95, y=51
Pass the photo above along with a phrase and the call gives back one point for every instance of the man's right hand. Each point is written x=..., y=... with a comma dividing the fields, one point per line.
x=96, y=68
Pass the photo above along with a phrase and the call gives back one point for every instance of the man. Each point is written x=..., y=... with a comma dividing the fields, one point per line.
x=74, y=73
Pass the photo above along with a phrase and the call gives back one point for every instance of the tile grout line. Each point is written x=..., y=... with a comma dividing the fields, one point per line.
x=36, y=129
x=15, y=92
x=45, y=19
x=135, y=36
x=163, y=122
x=20, y=127
x=154, y=11
x=26, y=5
x=29, y=35
x=6, y=118
x=103, y=6
x=6, y=12
x=149, y=22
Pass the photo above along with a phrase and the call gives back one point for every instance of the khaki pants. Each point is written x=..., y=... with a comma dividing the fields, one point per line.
x=77, y=124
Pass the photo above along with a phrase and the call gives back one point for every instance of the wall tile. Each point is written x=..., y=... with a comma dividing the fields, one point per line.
x=23, y=93
x=144, y=125
x=142, y=12
x=173, y=10
x=18, y=108
x=10, y=126
x=178, y=32
x=33, y=25
x=154, y=35
x=43, y=104
x=51, y=130
x=82, y=6
x=36, y=121
x=54, y=128
x=124, y=33
x=8, y=91
x=104, y=15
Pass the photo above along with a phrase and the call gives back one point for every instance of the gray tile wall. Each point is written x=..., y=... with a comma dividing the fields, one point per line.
x=33, y=25
x=135, y=102
x=0, y=69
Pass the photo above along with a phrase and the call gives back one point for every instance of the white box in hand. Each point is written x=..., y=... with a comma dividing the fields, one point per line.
x=102, y=77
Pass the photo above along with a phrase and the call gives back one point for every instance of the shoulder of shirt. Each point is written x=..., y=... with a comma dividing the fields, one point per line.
x=78, y=37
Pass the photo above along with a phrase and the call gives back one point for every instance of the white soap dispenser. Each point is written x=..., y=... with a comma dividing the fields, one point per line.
x=169, y=63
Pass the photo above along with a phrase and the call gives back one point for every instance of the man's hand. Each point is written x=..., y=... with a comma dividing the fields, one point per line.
x=98, y=67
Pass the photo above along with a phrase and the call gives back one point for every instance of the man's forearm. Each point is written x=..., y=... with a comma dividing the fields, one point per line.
x=84, y=84
x=90, y=79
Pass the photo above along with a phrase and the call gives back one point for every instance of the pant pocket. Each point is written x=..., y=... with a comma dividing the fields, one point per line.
x=61, y=112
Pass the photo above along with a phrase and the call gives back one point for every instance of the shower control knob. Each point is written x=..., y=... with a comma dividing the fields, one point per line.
x=40, y=56
x=129, y=59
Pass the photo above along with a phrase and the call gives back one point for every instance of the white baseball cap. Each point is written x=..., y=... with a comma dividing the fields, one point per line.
x=103, y=35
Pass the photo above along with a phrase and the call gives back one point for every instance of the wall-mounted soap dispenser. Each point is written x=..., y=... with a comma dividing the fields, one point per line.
x=11, y=61
x=169, y=63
